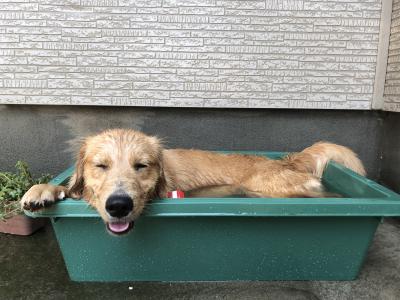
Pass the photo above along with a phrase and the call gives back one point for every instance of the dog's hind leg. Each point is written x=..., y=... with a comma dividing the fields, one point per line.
x=285, y=184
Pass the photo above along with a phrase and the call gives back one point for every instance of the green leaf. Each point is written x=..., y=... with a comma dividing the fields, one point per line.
x=14, y=185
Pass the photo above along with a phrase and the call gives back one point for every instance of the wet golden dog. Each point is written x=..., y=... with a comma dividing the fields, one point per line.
x=119, y=171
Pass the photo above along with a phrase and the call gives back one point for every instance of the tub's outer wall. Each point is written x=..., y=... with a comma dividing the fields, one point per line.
x=217, y=248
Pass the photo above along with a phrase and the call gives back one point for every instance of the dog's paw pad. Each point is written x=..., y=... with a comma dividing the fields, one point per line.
x=33, y=206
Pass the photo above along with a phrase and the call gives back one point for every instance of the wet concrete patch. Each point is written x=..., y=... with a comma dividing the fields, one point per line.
x=33, y=268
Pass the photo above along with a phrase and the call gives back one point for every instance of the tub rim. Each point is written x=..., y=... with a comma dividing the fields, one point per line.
x=386, y=204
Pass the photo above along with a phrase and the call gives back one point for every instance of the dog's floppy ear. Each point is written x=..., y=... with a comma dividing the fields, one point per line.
x=76, y=183
x=160, y=188
x=158, y=146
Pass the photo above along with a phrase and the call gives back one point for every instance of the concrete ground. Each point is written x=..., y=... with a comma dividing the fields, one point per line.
x=32, y=268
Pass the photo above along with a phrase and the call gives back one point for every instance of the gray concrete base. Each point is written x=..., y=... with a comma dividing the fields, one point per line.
x=390, y=171
x=40, y=134
x=32, y=268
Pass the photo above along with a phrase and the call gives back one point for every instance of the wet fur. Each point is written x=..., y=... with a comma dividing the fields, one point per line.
x=197, y=173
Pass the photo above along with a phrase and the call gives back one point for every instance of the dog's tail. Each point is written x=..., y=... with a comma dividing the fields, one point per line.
x=314, y=159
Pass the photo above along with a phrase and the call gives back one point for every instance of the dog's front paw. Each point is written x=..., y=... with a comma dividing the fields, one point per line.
x=42, y=195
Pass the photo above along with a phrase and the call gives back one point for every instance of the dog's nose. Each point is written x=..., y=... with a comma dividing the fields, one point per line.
x=119, y=205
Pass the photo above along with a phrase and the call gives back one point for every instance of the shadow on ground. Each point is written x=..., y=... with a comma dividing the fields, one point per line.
x=32, y=268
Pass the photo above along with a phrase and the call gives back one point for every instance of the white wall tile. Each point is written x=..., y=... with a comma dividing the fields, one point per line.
x=195, y=53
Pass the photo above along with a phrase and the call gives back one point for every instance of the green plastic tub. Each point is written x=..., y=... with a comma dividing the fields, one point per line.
x=218, y=239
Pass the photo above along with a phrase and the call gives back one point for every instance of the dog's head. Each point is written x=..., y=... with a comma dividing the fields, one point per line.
x=118, y=172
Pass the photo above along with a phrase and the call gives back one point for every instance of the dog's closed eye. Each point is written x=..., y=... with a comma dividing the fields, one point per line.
x=139, y=166
x=102, y=166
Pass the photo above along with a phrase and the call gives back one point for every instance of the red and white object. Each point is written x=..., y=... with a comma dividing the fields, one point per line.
x=176, y=194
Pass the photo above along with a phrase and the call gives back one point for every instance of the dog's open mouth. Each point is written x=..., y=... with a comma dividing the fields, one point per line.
x=119, y=228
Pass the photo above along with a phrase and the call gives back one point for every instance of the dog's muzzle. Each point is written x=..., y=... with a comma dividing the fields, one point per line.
x=118, y=206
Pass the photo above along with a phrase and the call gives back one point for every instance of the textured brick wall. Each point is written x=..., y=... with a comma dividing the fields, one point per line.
x=211, y=53
x=392, y=83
